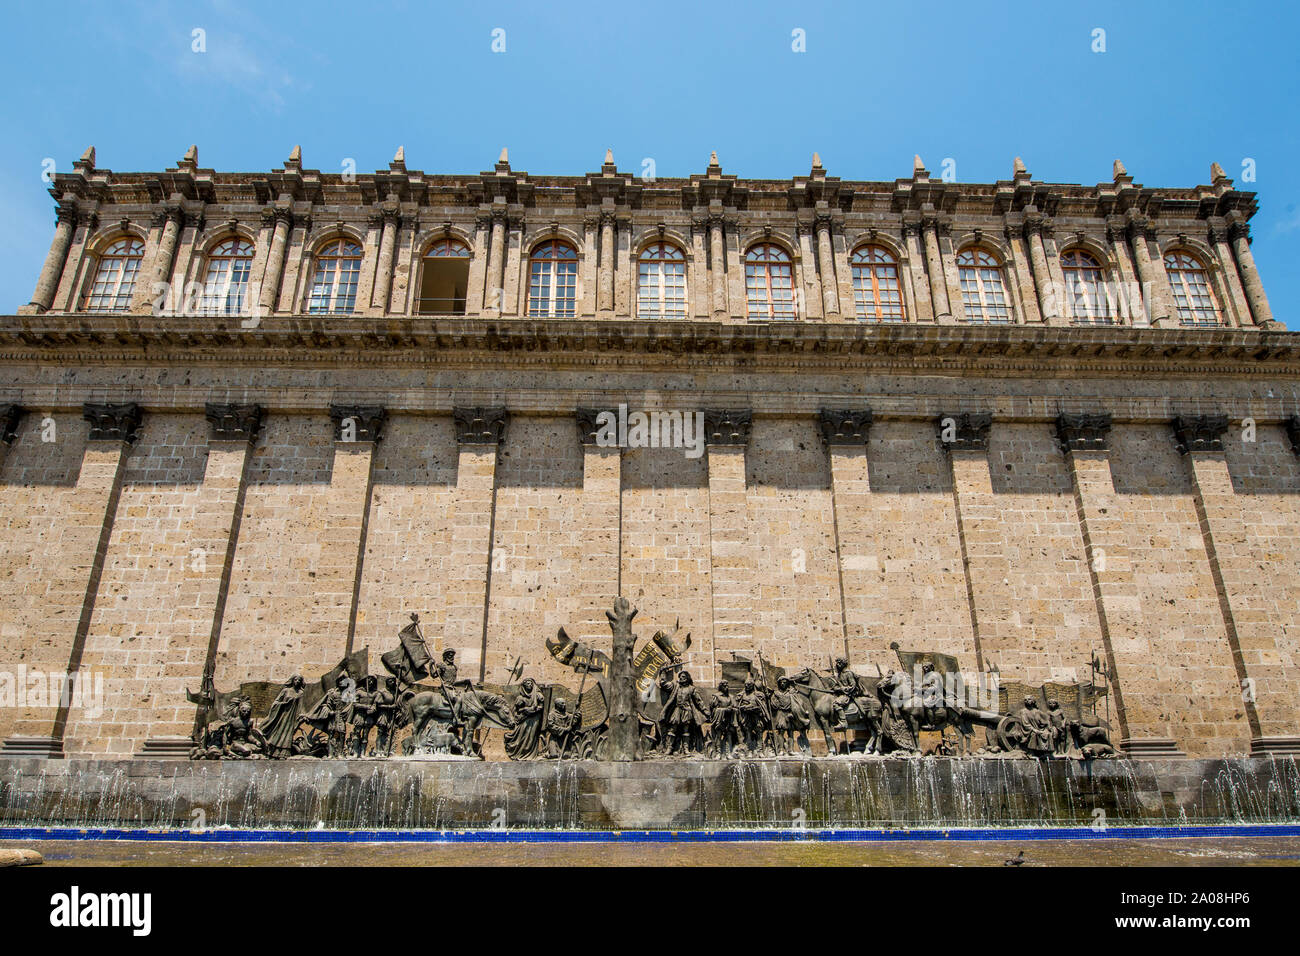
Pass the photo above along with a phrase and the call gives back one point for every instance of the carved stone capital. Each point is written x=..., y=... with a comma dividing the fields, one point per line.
x=113, y=422
x=10, y=415
x=587, y=424
x=842, y=426
x=1237, y=229
x=367, y=422
x=727, y=426
x=68, y=211
x=480, y=426
x=1293, y=432
x=1087, y=432
x=966, y=431
x=1200, y=432
x=234, y=422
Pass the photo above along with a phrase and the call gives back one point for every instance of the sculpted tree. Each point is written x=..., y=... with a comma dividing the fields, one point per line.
x=623, y=725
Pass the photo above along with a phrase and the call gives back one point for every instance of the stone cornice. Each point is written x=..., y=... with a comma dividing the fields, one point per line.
x=301, y=340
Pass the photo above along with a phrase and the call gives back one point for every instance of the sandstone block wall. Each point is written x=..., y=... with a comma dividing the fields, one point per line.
x=142, y=562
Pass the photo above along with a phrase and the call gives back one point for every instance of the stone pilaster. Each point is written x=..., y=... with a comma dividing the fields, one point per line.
x=1270, y=691
x=845, y=433
x=479, y=434
x=1156, y=297
x=1143, y=716
x=282, y=219
x=390, y=221
x=600, y=573
x=732, y=562
x=74, y=586
x=826, y=268
x=191, y=535
x=1259, y=308
x=1047, y=300
x=357, y=430
x=935, y=268
x=52, y=272
x=717, y=266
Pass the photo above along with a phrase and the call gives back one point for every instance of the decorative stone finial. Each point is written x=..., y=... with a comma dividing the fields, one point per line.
x=713, y=158
x=609, y=157
x=917, y=165
x=88, y=158
x=505, y=156
x=400, y=155
x=1218, y=177
x=1018, y=168
x=1117, y=170
x=295, y=159
x=191, y=157
x=817, y=161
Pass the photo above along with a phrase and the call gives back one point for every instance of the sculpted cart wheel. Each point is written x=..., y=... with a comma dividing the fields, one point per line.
x=1010, y=733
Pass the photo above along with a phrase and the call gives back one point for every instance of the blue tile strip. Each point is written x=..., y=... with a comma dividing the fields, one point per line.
x=647, y=836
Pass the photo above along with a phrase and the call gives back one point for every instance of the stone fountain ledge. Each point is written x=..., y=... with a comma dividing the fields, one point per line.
x=652, y=794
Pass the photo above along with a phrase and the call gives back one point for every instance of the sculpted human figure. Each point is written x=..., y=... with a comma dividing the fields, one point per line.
x=521, y=742
x=365, y=712
x=385, y=718
x=847, y=689
x=241, y=737
x=687, y=715
x=282, y=720
x=723, y=725
x=1037, y=729
x=932, y=694
x=331, y=715
x=1060, y=733
x=755, y=716
x=561, y=729
x=665, y=684
x=790, y=717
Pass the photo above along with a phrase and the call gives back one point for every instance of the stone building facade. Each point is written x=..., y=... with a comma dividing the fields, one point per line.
x=251, y=421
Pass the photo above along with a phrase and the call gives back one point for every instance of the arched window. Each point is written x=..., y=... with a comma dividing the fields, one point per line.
x=983, y=292
x=661, y=282
x=769, y=282
x=115, y=274
x=334, y=284
x=1191, y=285
x=876, y=292
x=1087, y=299
x=225, y=284
x=553, y=280
x=444, y=277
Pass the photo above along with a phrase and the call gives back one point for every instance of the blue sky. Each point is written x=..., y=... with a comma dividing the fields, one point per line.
x=979, y=83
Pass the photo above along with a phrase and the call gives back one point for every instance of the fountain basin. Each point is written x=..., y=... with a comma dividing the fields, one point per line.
x=393, y=794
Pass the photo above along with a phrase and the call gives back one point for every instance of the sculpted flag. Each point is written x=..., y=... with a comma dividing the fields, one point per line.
x=654, y=654
x=944, y=664
x=581, y=657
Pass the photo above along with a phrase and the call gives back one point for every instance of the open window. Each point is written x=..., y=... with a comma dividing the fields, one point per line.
x=444, y=279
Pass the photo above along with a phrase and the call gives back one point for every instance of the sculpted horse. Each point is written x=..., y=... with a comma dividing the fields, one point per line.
x=821, y=702
x=933, y=712
x=472, y=707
